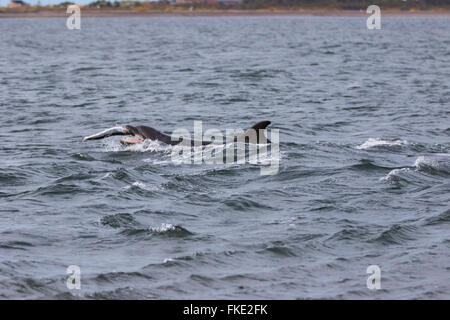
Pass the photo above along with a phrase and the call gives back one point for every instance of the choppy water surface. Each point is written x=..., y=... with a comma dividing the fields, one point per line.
x=363, y=179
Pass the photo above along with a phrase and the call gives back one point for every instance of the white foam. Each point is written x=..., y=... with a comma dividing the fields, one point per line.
x=112, y=146
x=105, y=176
x=163, y=228
x=149, y=145
x=439, y=162
x=140, y=185
x=393, y=173
x=144, y=146
x=371, y=142
x=422, y=160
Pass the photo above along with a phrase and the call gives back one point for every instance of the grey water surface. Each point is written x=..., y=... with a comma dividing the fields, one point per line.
x=364, y=172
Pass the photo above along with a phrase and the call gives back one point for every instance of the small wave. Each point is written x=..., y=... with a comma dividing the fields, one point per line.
x=59, y=189
x=82, y=157
x=395, y=175
x=120, y=276
x=10, y=179
x=81, y=69
x=116, y=294
x=279, y=250
x=444, y=217
x=139, y=185
x=130, y=226
x=17, y=245
x=366, y=165
x=348, y=234
x=432, y=163
x=371, y=143
x=167, y=227
x=123, y=175
x=242, y=203
x=106, y=175
x=397, y=235
x=438, y=162
x=120, y=220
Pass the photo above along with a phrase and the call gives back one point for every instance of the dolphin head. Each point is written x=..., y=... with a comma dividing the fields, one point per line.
x=132, y=131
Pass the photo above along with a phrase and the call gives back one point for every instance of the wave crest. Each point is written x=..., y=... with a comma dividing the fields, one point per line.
x=434, y=164
x=438, y=162
x=372, y=143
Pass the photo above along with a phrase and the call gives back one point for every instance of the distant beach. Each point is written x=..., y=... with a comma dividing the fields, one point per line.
x=97, y=13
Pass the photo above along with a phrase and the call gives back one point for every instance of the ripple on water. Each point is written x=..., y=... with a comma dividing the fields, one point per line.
x=439, y=219
x=425, y=169
x=244, y=203
x=119, y=220
x=378, y=143
x=397, y=235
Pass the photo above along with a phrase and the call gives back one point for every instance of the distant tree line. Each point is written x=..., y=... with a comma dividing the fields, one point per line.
x=266, y=4
x=345, y=4
x=113, y=4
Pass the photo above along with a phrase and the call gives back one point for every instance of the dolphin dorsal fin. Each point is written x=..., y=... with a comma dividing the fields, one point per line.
x=259, y=126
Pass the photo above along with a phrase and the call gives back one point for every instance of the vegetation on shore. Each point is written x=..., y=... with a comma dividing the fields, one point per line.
x=267, y=5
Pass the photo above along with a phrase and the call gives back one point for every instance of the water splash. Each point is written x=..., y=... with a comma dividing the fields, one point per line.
x=371, y=143
x=141, y=186
x=163, y=228
x=394, y=174
x=438, y=163
x=144, y=146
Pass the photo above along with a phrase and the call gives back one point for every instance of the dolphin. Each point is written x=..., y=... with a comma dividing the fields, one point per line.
x=141, y=133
